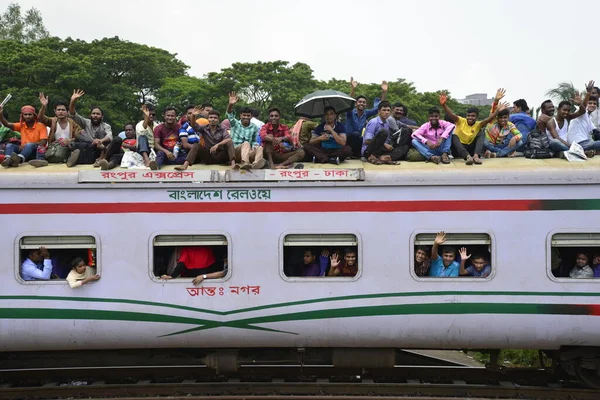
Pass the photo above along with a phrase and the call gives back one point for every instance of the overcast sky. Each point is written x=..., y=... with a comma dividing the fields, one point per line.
x=464, y=46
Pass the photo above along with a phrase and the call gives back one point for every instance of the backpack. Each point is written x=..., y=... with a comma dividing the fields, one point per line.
x=57, y=153
x=538, y=145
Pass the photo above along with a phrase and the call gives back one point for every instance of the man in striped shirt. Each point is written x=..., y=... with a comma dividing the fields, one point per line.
x=244, y=136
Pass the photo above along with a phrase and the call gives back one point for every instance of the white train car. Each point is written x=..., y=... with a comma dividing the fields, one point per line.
x=517, y=210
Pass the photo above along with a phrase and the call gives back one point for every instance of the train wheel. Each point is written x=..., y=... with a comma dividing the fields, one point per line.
x=587, y=371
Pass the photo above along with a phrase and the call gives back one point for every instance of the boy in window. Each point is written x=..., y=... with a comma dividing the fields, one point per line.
x=446, y=265
x=422, y=261
x=81, y=274
x=581, y=270
x=348, y=267
x=311, y=266
x=596, y=265
x=478, y=267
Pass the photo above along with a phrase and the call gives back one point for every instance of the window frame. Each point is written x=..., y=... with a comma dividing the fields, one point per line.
x=459, y=278
x=549, y=246
x=187, y=281
x=18, y=249
x=324, y=279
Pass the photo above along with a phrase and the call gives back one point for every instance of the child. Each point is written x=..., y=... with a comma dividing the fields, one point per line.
x=81, y=274
x=477, y=269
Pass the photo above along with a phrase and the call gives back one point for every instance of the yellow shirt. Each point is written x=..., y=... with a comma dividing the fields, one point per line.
x=465, y=132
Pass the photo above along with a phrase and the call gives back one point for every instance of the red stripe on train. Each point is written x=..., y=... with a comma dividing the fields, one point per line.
x=270, y=207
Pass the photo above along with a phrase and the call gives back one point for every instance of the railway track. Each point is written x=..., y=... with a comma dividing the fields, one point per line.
x=289, y=382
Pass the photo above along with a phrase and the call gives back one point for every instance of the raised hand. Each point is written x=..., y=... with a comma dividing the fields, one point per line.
x=500, y=93
x=353, y=83
x=463, y=254
x=440, y=238
x=233, y=98
x=44, y=252
x=335, y=260
x=43, y=99
x=577, y=99
x=145, y=111
x=443, y=99
x=503, y=106
x=77, y=93
x=197, y=110
x=384, y=86
x=590, y=86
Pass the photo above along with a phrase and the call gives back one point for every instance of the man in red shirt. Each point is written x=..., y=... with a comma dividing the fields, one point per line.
x=33, y=134
x=281, y=150
x=166, y=137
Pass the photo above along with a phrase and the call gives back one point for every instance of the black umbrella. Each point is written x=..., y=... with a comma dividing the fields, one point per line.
x=313, y=105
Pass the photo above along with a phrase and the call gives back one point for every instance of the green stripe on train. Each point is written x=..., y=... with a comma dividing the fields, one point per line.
x=347, y=312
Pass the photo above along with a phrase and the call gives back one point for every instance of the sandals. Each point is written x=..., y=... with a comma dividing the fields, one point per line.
x=374, y=160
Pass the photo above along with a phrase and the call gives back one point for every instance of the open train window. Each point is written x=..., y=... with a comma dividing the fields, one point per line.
x=575, y=255
x=55, y=263
x=478, y=263
x=321, y=255
x=190, y=256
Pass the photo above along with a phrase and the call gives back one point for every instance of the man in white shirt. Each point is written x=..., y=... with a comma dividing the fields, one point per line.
x=37, y=265
x=144, y=133
x=255, y=120
x=580, y=129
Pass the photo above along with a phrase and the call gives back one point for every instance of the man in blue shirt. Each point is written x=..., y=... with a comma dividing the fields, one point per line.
x=377, y=143
x=356, y=120
x=444, y=266
x=328, y=141
x=521, y=118
x=37, y=265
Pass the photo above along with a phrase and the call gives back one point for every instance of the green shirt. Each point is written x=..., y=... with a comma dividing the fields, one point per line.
x=240, y=134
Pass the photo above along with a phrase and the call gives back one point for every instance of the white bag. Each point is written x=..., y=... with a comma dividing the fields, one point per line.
x=575, y=153
x=133, y=160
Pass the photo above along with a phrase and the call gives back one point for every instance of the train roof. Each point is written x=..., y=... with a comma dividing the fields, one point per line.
x=515, y=171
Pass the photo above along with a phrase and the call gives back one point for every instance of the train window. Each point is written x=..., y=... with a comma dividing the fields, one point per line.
x=321, y=255
x=575, y=255
x=55, y=262
x=190, y=256
x=477, y=252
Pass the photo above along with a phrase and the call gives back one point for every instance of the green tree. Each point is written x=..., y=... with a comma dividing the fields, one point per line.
x=263, y=85
x=117, y=75
x=22, y=28
x=564, y=91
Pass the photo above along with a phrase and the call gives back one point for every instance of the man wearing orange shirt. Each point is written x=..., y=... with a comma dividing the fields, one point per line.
x=33, y=134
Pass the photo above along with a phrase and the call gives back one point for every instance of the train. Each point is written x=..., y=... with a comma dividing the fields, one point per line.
x=523, y=213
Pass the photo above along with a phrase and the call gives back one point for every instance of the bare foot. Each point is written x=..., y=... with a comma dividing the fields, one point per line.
x=512, y=155
x=281, y=166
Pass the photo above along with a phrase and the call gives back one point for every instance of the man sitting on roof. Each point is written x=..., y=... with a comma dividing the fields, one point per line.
x=95, y=134
x=281, y=148
x=61, y=136
x=33, y=135
x=521, y=118
x=502, y=138
x=356, y=119
x=377, y=147
x=215, y=146
x=547, y=112
x=558, y=127
x=467, y=141
x=433, y=138
x=581, y=130
x=244, y=135
x=328, y=141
